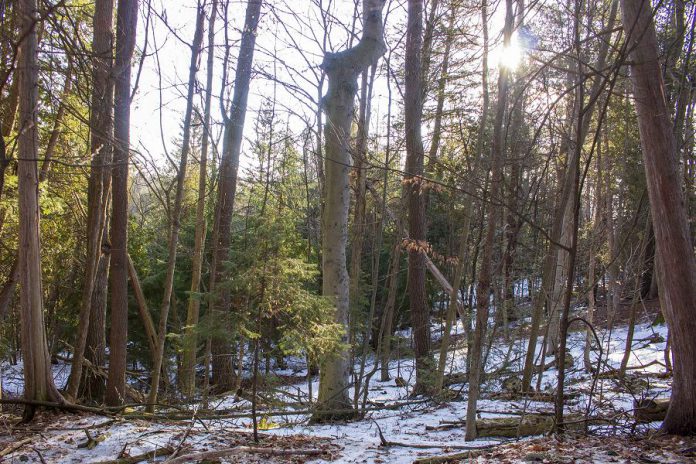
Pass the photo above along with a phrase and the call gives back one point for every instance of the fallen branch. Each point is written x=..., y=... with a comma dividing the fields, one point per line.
x=183, y=439
x=445, y=426
x=456, y=457
x=244, y=449
x=434, y=445
x=14, y=447
x=159, y=452
x=62, y=406
x=615, y=372
x=224, y=415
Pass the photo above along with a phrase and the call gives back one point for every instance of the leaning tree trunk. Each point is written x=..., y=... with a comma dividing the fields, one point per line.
x=484, y=276
x=188, y=379
x=175, y=214
x=100, y=148
x=675, y=256
x=126, y=22
x=342, y=70
x=227, y=188
x=38, y=378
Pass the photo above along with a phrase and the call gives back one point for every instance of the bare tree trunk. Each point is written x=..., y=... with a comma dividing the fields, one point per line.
x=428, y=36
x=571, y=218
x=387, y=322
x=460, y=270
x=359, y=226
x=100, y=147
x=38, y=378
x=413, y=181
x=484, y=276
x=613, y=300
x=342, y=70
x=158, y=354
x=188, y=380
x=389, y=307
x=126, y=22
x=592, y=266
x=93, y=382
x=359, y=213
x=513, y=224
x=227, y=188
x=675, y=255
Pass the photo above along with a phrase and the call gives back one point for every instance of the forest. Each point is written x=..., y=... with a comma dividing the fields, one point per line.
x=348, y=231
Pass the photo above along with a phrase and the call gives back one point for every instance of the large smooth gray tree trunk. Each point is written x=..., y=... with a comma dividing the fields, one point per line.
x=342, y=69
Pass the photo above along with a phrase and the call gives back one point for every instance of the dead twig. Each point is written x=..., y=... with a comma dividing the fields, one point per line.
x=41, y=458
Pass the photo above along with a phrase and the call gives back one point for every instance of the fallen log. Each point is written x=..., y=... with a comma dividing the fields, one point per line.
x=14, y=446
x=532, y=396
x=209, y=455
x=159, y=452
x=650, y=410
x=62, y=406
x=455, y=457
x=223, y=414
x=456, y=378
x=531, y=424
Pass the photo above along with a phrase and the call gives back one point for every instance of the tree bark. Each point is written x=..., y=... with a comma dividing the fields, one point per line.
x=93, y=383
x=227, y=188
x=38, y=377
x=188, y=383
x=414, y=186
x=126, y=22
x=675, y=256
x=100, y=147
x=342, y=70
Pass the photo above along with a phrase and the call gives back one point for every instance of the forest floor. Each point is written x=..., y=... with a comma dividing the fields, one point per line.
x=397, y=429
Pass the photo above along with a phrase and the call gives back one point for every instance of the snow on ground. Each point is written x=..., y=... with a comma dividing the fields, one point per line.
x=12, y=377
x=360, y=440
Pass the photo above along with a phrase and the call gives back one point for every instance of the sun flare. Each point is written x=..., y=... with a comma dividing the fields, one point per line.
x=509, y=56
